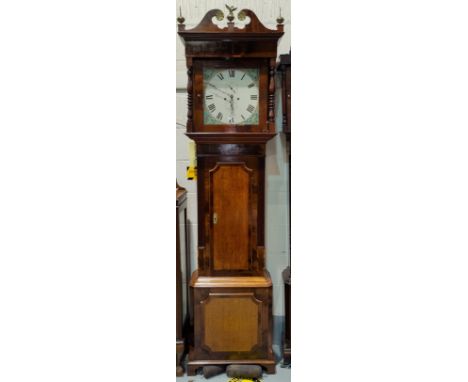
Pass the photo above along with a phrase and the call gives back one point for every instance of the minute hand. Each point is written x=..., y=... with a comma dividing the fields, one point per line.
x=222, y=91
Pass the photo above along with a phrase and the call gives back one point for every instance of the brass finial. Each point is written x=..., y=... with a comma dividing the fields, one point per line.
x=280, y=19
x=180, y=19
x=231, y=9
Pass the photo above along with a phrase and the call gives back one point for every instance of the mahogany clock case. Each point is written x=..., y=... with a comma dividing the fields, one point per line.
x=231, y=290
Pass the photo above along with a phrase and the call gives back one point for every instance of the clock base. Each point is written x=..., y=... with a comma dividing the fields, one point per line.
x=232, y=322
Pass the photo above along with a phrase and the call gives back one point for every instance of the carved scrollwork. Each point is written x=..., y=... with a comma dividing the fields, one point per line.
x=241, y=15
x=219, y=15
x=249, y=22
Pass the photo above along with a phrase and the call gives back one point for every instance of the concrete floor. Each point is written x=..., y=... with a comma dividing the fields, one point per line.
x=282, y=374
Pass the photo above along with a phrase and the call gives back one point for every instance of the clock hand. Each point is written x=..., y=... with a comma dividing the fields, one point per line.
x=231, y=101
x=232, y=89
x=222, y=91
x=219, y=96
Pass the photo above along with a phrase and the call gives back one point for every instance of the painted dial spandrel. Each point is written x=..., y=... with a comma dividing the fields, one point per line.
x=230, y=96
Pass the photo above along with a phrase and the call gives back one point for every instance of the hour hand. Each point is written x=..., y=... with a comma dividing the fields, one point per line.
x=210, y=96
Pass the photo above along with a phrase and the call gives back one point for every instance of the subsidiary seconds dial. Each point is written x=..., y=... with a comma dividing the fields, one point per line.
x=230, y=96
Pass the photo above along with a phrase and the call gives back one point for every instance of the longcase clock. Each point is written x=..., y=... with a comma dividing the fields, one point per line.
x=231, y=100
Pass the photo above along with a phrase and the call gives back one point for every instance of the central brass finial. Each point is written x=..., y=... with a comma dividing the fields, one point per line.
x=231, y=9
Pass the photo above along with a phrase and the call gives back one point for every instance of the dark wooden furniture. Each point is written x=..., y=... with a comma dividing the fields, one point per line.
x=286, y=348
x=284, y=67
x=231, y=100
x=182, y=278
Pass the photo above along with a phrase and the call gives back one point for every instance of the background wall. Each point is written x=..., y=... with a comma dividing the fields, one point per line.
x=276, y=224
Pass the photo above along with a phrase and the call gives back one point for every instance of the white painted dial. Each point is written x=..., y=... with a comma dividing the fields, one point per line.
x=231, y=96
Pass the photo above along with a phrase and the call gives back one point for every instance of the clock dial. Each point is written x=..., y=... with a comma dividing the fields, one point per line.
x=230, y=96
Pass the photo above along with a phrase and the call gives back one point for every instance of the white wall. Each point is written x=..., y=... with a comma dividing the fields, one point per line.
x=276, y=219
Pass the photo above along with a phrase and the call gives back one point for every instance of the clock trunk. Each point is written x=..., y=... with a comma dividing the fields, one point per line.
x=231, y=209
